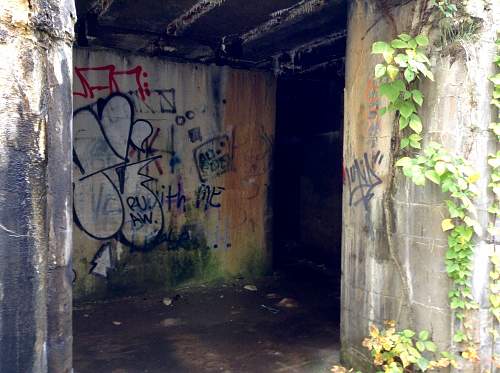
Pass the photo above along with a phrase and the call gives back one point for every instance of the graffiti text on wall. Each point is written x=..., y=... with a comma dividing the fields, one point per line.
x=113, y=196
x=362, y=179
x=373, y=101
x=106, y=78
x=104, y=134
x=213, y=158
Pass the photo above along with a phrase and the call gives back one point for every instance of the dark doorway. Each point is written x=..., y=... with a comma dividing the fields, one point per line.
x=308, y=170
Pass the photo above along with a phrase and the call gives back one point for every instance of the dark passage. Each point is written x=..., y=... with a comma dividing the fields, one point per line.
x=308, y=170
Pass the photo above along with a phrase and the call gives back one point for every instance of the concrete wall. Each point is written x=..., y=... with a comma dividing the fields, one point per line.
x=393, y=247
x=35, y=185
x=171, y=165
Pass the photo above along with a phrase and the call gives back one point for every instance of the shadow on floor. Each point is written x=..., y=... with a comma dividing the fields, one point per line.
x=222, y=328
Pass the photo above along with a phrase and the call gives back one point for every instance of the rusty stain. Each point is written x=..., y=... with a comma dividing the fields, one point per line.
x=249, y=105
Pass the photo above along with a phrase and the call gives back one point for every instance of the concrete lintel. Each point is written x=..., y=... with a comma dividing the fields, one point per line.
x=284, y=16
x=185, y=20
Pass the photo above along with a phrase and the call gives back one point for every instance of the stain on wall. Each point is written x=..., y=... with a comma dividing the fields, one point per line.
x=171, y=172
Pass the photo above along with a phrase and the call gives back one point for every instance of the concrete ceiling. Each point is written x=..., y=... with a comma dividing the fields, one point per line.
x=288, y=36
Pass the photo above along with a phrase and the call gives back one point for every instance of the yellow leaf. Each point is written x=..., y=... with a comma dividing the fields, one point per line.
x=473, y=178
x=392, y=71
x=447, y=224
x=374, y=332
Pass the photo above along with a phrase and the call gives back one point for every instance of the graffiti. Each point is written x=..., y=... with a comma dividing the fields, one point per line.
x=180, y=120
x=108, y=181
x=373, y=118
x=362, y=179
x=206, y=196
x=195, y=135
x=106, y=78
x=213, y=158
x=102, y=261
x=160, y=101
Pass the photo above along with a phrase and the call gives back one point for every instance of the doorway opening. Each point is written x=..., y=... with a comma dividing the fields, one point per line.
x=208, y=186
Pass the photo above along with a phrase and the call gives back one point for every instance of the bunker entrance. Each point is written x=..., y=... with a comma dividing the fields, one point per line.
x=207, y=185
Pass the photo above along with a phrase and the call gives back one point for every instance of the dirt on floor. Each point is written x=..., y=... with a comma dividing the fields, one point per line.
x=288, y=323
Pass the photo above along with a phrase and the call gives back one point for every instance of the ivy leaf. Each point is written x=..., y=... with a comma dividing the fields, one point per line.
x=380, y=47
x=423, y=335
x=392, y=71
x=447, y=224
x=433, y=176
x=405, y=161
x=405, y=142
x=408, y=333
x=380, y=70
x=418, y=179
x=474, y=224
x=401, y=60
x=418, y=97
x=423, y=363
x=471, y=179
x=409, y=75
x=403, y=123
x=399, y=44
x=495, y=79
x=440, y=167
x=399, y=85
x=406, y=109
x=415, y=123
x=390, y=91
x=389, y=56
x=422, y=40
x=421, y=346
x=421, y=57
x=430, y=346
x=415, y=142
x=404, y=37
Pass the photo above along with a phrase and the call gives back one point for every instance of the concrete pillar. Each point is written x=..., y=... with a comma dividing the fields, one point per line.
x=35, y=184
x=393, y=246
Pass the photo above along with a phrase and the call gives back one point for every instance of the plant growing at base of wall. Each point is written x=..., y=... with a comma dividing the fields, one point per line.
x=406, y=63
x=402, y=351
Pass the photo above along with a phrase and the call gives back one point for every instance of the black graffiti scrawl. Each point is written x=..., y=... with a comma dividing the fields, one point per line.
x=362, y=179
x=111, y=194
x=213, y=158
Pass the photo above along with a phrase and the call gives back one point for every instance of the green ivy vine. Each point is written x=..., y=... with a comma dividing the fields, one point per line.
x=405, y=64
x=494, y=185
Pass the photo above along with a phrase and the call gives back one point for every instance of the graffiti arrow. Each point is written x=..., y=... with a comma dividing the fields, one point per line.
x=102, y=261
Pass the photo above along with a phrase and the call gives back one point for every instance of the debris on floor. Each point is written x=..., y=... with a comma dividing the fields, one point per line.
x=270, y=309
x=250, y=287
x=167, y=301
x=288, y=303
x=272, y=296
x=170, y=322
x=200, y=331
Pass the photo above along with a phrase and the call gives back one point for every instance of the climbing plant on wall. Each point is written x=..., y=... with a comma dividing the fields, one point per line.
x=405, y=64
x=494, y=184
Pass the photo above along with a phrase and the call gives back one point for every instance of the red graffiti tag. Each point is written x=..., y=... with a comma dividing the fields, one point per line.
x=104, y=78
x=150, y=151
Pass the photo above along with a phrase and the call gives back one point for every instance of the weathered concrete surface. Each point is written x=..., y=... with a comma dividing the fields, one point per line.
x=223, y=328
x=171, y=165
x=35, y=184
x=393, y=247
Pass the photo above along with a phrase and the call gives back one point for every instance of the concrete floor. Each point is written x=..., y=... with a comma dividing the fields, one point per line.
x=223, y=328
